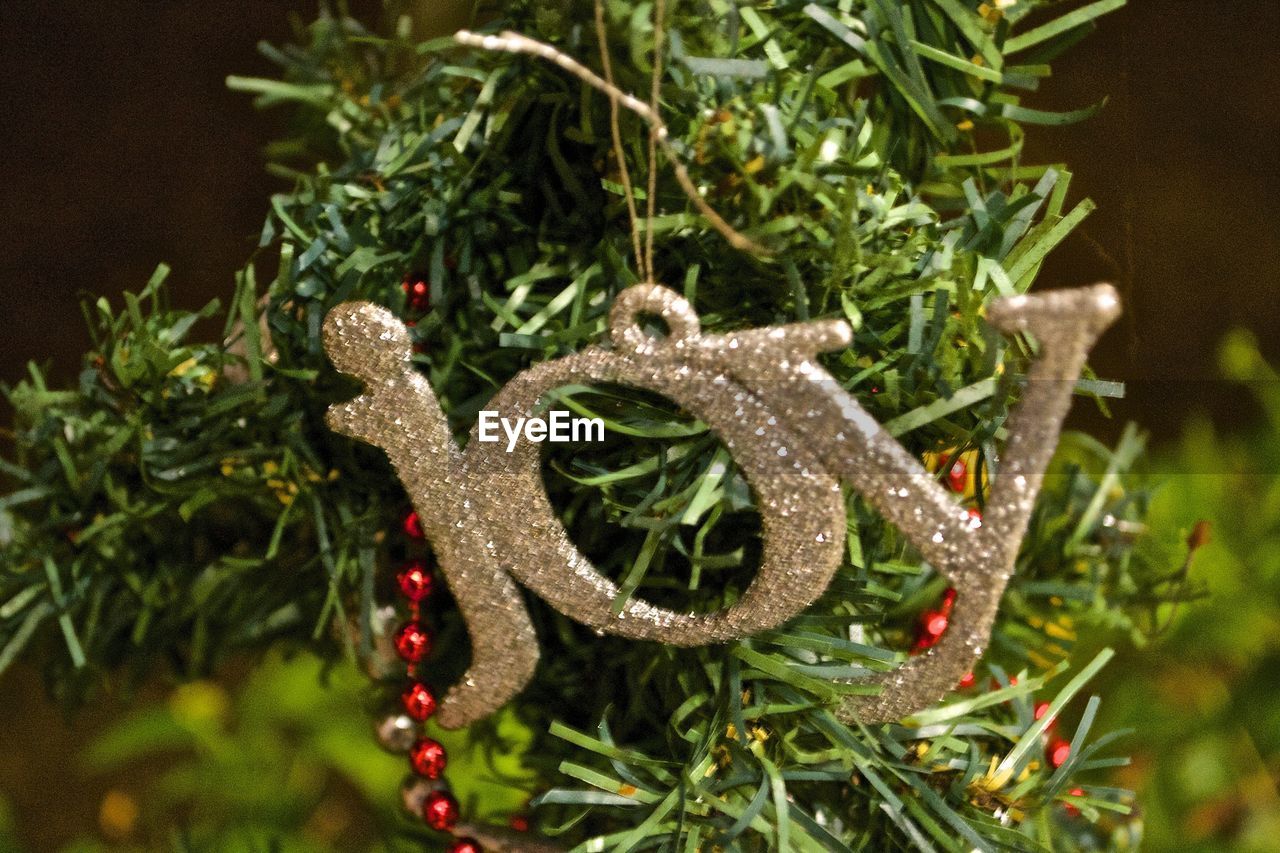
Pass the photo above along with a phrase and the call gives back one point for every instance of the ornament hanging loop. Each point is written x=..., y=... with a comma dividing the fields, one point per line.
x=631, y=306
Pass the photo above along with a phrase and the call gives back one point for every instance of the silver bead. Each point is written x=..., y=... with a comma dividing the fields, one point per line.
x=397, y=733
x=413, y=793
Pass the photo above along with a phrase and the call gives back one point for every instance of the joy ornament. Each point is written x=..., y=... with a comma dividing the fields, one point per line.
x=793, y=430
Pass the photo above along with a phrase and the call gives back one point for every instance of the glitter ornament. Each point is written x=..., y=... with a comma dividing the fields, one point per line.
x=428, y=758
x=418, y=701
x=415, y=581
x=794, y=432
x=440, y=810
x=413, y=642
x=397, y=733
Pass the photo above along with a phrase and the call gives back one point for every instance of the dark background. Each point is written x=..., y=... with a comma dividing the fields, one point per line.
x=121, y=148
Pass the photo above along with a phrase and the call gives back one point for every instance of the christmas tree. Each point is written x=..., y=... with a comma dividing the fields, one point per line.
x=186, y=502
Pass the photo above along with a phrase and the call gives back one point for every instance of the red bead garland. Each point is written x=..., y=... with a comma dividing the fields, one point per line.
x=933, y=623
x=1059, y=752
x=418, y=701
x=417, y=291
x=1056, y=750
x=413, y=642
x=440, y=811
x=428, y=758
x=413, y=526
x=415, y=581
x=1071, y=808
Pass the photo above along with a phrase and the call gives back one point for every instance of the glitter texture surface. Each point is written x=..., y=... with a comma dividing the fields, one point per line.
x=792, y=429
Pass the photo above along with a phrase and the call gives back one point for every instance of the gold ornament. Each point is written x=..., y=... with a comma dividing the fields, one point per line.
x=791, y=427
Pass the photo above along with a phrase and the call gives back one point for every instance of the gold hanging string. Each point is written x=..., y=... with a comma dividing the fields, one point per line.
x=513, y=42
x=659, y=30
x=615, y=131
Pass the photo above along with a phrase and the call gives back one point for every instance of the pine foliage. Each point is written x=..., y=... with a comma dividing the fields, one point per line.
x=184, y=501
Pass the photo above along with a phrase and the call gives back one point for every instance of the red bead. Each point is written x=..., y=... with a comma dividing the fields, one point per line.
x=975, y=517
x=520, y=823
x=418, y=346
x=948, y=601
x=466, y=845
x=958, y=476
x=415, y=580
x=419, y=702
x=413, y=526
x=440, y=811
x=1042, y=708
x=413, y=642
x=418, y=293
x=1059, y=752
x=967, y=680
x=1072, y=809
x=428, y=758
x=933, y=624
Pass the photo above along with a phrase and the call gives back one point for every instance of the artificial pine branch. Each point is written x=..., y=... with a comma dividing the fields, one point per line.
x=185, y=501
